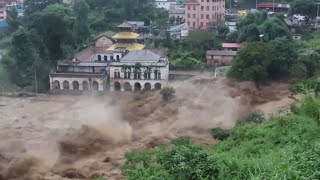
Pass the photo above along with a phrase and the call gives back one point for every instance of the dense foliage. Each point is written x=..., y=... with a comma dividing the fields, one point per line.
x=279, y=58
x=304, y=7
x=255, y=24
x=51, y=31
x=284, y=147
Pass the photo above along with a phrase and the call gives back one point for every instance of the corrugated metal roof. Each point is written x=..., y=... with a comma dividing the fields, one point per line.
x=125, y=24
x=221, y=53
x=141, y=56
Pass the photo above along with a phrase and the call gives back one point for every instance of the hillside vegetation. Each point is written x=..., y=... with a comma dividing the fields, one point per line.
x=286, y=146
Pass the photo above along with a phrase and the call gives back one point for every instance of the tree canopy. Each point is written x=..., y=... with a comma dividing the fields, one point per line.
x=255, y=24
x=304, y=7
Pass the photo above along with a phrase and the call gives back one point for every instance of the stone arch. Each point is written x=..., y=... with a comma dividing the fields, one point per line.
x=56, y=85
x=85, y=85
x=66, y=85
x=95, y=86
x=137, y=86
x=127, y=86
x=147, y=86
x=75, y=85
x=157, y=86
x=99, y=57
x=117, y=86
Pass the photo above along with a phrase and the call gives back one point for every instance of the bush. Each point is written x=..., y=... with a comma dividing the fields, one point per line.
x=184, y=140
x=220, y=134
x=310, y=107
x=256, y=116
x=167, y=93
x=187, y=62
x=190, y=162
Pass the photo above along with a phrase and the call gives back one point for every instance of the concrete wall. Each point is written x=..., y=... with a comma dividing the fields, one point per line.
x=219, y=60
x=81, y=82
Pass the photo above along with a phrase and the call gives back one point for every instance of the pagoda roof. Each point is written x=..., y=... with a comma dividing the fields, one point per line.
x=126, y=35
x=125, y=24
x=128, y=46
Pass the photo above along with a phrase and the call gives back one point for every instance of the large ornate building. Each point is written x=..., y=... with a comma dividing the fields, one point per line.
x=117, y=64
x=139, y=70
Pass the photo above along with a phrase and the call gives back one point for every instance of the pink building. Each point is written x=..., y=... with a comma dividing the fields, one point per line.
x=200, y=13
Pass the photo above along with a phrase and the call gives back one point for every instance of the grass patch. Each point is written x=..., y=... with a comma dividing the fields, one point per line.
x=283, y=147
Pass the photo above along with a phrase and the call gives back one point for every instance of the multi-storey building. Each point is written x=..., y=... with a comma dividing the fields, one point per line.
x=200, y=13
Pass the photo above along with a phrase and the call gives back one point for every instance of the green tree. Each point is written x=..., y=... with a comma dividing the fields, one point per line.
x=53, y=25
x=284, y=54
x=24, y=54
x=255, y=24
x=13, y=19
x=33, y=6
x=304, y=7
x=198, y=41
x=252, y=63
x=81, y=28
x=223, y=30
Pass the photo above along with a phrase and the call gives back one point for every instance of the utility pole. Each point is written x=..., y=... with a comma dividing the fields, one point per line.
x=273, y=6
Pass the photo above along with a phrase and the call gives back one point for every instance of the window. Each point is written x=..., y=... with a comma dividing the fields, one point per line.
x=194, y=7
x=207, y=16
x=208, y=8
x=202, y=8
x=189, y=16
x=188, y=23
x=202, y=16
x=189, y=7
x=194, y=15
x=194, y=24
x=201, y=24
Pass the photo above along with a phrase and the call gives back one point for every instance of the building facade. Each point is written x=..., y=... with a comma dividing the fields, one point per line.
x=117, y=64
x=220, y=57
x=199, y=14
x=140, y=70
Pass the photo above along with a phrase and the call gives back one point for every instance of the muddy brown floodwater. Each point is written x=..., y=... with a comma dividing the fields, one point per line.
x=83, y=137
